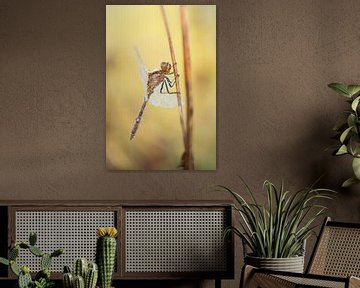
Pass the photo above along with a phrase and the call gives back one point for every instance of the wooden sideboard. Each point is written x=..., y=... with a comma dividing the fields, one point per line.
x=157, y=240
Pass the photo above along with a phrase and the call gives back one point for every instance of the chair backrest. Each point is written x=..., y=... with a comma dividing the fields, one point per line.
x=337, y=251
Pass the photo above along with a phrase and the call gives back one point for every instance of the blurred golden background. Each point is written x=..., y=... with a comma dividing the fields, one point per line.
x=158, y=144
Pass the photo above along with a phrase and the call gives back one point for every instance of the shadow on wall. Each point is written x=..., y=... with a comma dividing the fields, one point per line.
x=335, y=170
x=332, y=170
x=309, y=153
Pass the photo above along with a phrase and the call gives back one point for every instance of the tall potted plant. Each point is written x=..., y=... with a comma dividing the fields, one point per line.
x=348, y=132
x=276, y=233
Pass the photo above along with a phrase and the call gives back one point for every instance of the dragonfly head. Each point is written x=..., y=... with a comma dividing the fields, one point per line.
x=165, y=67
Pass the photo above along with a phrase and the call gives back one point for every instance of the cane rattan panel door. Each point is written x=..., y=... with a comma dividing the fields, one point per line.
x=166, y=241
x=74, y=230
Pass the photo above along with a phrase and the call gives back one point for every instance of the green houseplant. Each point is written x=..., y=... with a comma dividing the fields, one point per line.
x=348, y=132
x=275, y=233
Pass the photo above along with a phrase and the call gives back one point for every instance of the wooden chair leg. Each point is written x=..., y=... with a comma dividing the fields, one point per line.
x=354, y=282
x=217, y=283
x=251, y=279
x=246, y=273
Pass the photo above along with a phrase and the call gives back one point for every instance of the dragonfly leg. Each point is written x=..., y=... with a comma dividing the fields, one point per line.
x=165, y=84
x=171, y=84
x=177, y=75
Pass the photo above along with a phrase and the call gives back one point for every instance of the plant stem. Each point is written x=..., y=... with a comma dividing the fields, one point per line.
x=188, y=157
x=173, y=59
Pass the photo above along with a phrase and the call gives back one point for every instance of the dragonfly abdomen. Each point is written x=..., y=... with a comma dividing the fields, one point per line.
x=138, y=120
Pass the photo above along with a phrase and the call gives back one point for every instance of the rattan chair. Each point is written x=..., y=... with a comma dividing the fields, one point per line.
x=334, y=263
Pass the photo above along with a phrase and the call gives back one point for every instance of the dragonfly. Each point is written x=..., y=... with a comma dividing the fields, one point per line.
x=156, y=86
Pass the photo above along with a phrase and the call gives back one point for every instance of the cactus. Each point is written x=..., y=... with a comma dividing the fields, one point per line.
x=24, y=280
x=68, y=280
x=32, y=238
x=13, y=253
x=67, y=269
x=14, y=268
x=36, y=251
x=106, y=254
x=4, y=261
x=90, y=272
x=45, y=261
x=57, y=252
x=91, y=276
x=79, y=282
x=25, y=269
x=42, y=278
x=80, y=268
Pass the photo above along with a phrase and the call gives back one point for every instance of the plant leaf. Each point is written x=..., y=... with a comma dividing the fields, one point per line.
x=354, y=145
x=353, y=89
x=345, y=134
x=14, y=268
x=356, y=167
x=349, y=182
x=340, y=88
x=355, y=103
x=342, y=150
x=351, y=120
x=248, y=190
x=4, y=261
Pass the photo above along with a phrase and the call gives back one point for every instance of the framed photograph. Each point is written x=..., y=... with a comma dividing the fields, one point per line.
x=161, y=87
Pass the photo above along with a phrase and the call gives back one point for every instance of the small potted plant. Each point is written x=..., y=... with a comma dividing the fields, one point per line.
x=275, y=233
x=106, y=254
x=84, y=274
x=348, y=132
x=42, y=278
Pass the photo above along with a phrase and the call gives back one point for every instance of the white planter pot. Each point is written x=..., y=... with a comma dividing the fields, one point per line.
x=291, y=264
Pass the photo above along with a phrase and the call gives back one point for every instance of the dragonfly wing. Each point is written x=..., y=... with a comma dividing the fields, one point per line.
x=164, y=100
x=143, y=71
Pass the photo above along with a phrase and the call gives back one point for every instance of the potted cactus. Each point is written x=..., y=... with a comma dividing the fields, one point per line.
x=42, y=278
x=106, y=254
x=85, y=275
